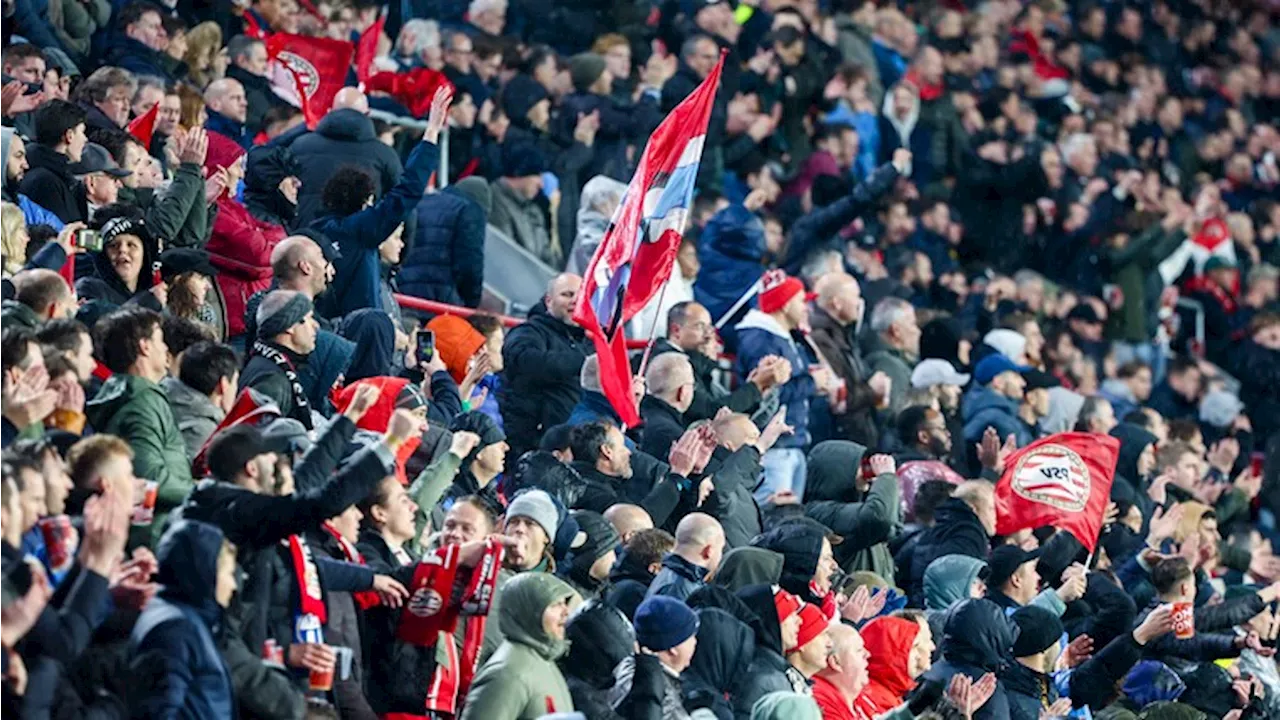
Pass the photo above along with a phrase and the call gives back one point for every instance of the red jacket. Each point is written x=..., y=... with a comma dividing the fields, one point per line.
x=240, y=248
x=888, y=640
x=832, y=702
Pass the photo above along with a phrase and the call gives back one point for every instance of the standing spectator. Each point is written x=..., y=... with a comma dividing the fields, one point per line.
x=227, y=109
x=894, y=347
x=248, y=67
x=174, y=655
x=995, y=400
x=515, y=211
x=445, y=262
x=59, y=141
x=669, y=389
x=979, y=639
x=865, y=514
x=839, y=309
x=543, y=360
x=132, y=405
x=344, y=136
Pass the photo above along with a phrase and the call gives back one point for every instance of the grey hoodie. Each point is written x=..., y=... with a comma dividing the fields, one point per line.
x=196, y=414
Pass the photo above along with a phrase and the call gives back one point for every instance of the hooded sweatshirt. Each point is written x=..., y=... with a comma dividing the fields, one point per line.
x=978, y=639
x=521, y=679
x=714, y=673
x=888, y=641
x=946, y=582
x=374, y=336
x=865, y=522
x=785, y=706
x=749, y=565
x=768, y=670
x=32, y=213
x=174, y=658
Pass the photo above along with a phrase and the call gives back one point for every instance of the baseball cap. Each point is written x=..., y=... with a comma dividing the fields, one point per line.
x=1005, y=561
x=935, y=371
x=95, y=159
x=1040, y=380
x=993, y=365
x=1084, y=312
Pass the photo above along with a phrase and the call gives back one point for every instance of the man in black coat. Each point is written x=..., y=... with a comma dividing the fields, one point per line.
x=248, y=66
x=543, y=360
x=604, y=461
x=59, y=140
x=669, y=382
x=287, y=329
x=963, y=525
x=445, y=262
x=344, y=136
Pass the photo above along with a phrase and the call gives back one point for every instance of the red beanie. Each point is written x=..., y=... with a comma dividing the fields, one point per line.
x=777, y=290
x=812, y=624
x=223, y=151
x=785, y=604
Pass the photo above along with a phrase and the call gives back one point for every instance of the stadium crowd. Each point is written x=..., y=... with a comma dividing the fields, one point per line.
x=240, y=480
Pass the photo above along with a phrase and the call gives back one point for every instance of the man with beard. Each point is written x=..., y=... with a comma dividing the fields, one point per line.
x=13, y=166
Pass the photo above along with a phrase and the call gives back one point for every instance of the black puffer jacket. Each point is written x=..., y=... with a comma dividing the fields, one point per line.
x=865, y=522
x=445, y=262
x=713, y=675
x=540, y=386
x=343, y=137
x=956, y=531
x=265, y=168
x=599, y=639
x=978, y=639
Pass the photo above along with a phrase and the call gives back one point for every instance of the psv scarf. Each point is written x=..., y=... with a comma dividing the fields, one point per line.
x=364, y=598
x=301, y=406
x=429, y=619
x=311, y=600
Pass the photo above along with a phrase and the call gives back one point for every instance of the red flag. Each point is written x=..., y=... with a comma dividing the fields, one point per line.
x=68, y=271
x=413, y=89
x=144, y=125
x=367, y=48
x=635, y=258
x=1063, y=481
x=252, y=28
x=319, y=68
x=251, y=407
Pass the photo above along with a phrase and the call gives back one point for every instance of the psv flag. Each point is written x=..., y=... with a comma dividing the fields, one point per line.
x=635, y=257
x=318, y=67
x=1063, y=481
x=367, y=48
x=144, y=126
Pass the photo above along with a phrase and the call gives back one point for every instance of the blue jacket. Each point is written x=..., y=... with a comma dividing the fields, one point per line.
x=731, y=250
x=356, y=283
x=223, y=125
x=37, y=215
x=760, y=335
x=445, y=262
x=174, y=663
x=984, y=407
x=677, y=579
x=139, y=59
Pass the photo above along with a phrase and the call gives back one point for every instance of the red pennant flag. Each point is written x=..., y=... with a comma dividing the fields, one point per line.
x=634, y=260
x=252, y=407
x=318, y=66
x=144, y=125
x=413, y=89
x=1063, y=481
x=367, y=48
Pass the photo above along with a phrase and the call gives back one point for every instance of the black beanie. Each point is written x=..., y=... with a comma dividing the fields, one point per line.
x=1038, y=630
x=598, y=538
x=480, y=424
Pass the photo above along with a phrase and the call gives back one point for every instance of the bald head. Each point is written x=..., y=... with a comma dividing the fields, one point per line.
x=735, y=430
x=45, y=292
x=294, y=262
x=226, y=96
x=844, y=638
x=350, y=98
x=700, y=540
x=628, y=519
x=562, y=295
x=670, y=378
x=980, y=496
x=840, y=296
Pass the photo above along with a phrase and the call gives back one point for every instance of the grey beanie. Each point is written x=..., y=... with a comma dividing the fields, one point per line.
x=476, y=190
x=274, y=319
x=538, y=507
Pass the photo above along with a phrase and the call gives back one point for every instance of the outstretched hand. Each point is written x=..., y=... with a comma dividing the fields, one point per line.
x=439, y=114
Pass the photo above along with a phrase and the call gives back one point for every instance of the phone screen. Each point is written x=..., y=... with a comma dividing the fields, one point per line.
x=426, y=346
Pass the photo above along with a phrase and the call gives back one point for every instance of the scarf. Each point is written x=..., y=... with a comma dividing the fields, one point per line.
x=430, y=618
x=301, y=406
x=312, y=614
x=364, y=598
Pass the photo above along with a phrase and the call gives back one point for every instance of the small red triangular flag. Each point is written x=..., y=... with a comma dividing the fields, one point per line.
x=144, y=125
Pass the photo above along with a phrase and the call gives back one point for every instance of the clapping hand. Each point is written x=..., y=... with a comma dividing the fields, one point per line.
x=968, y=696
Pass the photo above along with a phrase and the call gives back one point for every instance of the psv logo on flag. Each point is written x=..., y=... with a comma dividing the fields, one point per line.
x=1053, y=475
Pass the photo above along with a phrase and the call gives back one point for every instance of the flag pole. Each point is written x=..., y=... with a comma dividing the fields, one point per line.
x=746, y=297
x=653, y=326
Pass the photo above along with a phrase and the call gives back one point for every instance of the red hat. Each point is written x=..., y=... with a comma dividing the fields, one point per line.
x=457, y=342
x=777, y=290
x=222, y=152
x=785, y=604
x=812, y=624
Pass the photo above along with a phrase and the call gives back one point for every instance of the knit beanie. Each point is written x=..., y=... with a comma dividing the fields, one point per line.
x=663, y=622
x=273, y=320
x=585, y=68
x=456, y=342
x=777, y=290
x=786, y=604
x=538, y=507
x=482, y=425
x=1038, y=630
x=476, y=190
x=223, y=153
x=596, y=537
x=812, y=624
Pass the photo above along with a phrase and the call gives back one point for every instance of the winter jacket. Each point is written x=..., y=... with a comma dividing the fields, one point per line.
x=357, y=278
x=658, y=496
x=233, y=130
x=15, y=314
x=979, y=639
x=888, y=642
x=760, y=335
x=678, y=578
x=600, y=640
x=138, y=411
x=707, y=400
x=767, y=670
x=195, y=413
x=800, y=545
x=521, y=681
x=880, y=357
x=819, y=229
x=259, y=96
x=97, y=279
x=76, y=22
x=865, y=522
x=731, y=250
x=1258, y=368
x=522, y=220
x=266, y=377
x=629, y=581
x=141, y=60
x=956, y=531
x=1133, y=270
x=736, y=475
x=983, y=407
x=240, y=247
x=50, y=184
x=342, y=137
x=445, y=262
x=714, y=674
x=543, y=358
x=178, y=215
x=838, y=348
x=748, y=565
x=174, y=662
x=663, y=426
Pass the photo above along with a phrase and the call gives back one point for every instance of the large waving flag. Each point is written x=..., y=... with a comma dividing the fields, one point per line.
x=635, y=258
x=318, y=68
x=1063, y=481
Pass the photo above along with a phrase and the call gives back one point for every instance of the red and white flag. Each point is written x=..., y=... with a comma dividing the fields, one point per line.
x=636, y=256
x=317, y=67
x=1063, y=481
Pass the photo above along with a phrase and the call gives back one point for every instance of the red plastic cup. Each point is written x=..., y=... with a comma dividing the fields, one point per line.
x=321, y=680
x=59, y=538
x=144, y=513
x=1184, y=620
